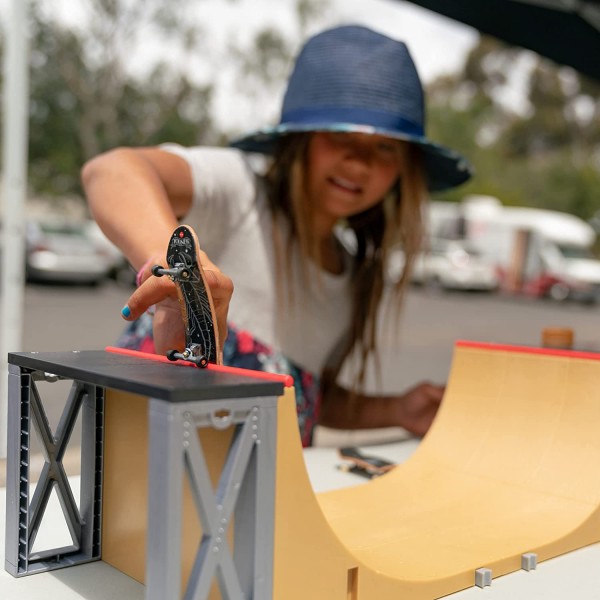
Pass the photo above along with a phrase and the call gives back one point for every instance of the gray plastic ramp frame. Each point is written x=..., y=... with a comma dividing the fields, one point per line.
x=25, y=513
x=182, y=399
x=172, y=382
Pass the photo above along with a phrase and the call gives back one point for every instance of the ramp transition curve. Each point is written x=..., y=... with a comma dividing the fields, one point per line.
x=502, y=472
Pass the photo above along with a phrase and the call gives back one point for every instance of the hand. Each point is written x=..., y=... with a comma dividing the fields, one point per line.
x=416, y=408
x=161, y=292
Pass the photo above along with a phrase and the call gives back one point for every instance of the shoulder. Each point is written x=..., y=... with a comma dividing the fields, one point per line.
x=211, y=158
x=218, y=170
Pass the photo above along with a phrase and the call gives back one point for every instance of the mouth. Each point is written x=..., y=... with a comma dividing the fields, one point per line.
x=346, y=185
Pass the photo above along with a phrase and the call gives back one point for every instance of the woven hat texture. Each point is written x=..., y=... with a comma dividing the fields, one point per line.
x=354, y=79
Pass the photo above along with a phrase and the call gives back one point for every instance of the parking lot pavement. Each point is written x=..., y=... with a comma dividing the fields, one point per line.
x=70, y=317
x=62, y=318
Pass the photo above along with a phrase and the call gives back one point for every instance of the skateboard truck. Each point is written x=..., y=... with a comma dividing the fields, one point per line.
x=178, y=273
x=192, y=354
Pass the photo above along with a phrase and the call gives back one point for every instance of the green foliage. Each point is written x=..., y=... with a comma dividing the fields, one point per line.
x=88, y=93
x=546, y=155
x=85, y=98
x=266, y=60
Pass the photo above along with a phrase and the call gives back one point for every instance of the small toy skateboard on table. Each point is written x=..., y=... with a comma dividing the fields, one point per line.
x=364, y=465
x=197, y=309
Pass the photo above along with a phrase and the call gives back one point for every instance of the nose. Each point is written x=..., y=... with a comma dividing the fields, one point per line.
x=359, y=150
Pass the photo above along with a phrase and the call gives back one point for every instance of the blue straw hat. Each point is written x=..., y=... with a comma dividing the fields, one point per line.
x=353, y=79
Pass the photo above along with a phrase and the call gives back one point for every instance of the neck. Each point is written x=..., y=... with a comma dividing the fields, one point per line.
x=330, y=255
x=323, y=227
x=328, y=252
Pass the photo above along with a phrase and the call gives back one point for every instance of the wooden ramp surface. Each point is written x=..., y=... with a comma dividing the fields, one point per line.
x=507, y=468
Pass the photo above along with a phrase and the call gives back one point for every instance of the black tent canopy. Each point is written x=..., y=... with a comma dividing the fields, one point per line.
x=566, y=31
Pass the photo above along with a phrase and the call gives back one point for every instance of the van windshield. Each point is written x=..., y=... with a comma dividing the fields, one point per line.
x=575, y=251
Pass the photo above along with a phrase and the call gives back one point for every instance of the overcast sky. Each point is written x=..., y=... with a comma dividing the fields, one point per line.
x=437, y=44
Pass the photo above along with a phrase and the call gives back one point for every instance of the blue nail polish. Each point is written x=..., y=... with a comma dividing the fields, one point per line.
x=125, y=311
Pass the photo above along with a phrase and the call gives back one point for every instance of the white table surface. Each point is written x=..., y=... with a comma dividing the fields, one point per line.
x=574, y=576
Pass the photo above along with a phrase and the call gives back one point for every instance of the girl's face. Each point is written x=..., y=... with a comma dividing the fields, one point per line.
x=350, y=172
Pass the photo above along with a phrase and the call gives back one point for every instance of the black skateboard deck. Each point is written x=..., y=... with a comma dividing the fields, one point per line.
x=185, y=270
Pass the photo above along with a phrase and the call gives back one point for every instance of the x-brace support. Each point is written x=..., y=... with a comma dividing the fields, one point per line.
x=175, y=450
x=24, y=516
x=53, y=473
x=215, y=511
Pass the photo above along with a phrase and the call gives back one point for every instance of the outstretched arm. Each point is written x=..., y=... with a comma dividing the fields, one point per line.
x=414, y=410
x=137, y=195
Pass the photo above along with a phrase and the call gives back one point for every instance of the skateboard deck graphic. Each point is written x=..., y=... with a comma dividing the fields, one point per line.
x=201, y=333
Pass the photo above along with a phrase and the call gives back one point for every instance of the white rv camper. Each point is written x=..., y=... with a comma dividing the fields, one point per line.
x=537, y=252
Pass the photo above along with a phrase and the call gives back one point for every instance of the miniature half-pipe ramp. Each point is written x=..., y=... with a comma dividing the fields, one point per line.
x=501, y=473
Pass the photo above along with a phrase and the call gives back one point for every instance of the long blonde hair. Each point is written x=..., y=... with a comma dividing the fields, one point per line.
x=394, y=223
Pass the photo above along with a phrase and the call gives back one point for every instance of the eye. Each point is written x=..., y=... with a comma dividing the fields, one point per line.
x=388, y=147
x=339, y=138
x=389, y=150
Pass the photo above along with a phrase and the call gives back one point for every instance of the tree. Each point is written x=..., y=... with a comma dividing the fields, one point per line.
x=92, y=88
x=260, y=67
x=542, y=152
x=86, y=97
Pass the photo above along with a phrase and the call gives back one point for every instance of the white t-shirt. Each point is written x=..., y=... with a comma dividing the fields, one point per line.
x=234, y=226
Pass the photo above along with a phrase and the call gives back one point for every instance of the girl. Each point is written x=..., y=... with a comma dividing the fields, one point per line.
x=305, y=243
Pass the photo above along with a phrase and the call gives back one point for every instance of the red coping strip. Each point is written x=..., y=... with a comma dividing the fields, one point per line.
x=287, y=380
x=529, y=349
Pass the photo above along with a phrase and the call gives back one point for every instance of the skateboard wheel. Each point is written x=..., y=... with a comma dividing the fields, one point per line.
x=203, y=362
x=156, y=271
x=172, y=355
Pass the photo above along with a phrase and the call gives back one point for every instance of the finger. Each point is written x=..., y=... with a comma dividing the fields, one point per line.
x=168, y=327
x=221, y=286
x=432, y=391
x=436, y=392
x=205, y=261
x=221, y=289
x=151, y=292
x=145, y=271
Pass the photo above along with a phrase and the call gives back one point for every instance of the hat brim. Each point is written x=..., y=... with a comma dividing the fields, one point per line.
x=443, y=167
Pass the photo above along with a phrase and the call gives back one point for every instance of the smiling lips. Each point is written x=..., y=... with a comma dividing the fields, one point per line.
x=345, y=185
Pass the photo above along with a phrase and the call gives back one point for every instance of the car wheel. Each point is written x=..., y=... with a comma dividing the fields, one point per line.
x=435, y=284
x=124, y=276
x=559, y=292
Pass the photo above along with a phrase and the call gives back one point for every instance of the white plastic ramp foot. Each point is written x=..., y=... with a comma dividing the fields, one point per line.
x=529, y=561
x=483, y=577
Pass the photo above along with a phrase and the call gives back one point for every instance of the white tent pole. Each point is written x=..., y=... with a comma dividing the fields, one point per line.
x=14, y=155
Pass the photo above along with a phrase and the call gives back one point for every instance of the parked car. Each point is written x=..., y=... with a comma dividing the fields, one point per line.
x=64, y=251
x=537, y=252
x=454, y=264
x=121, y=271
x=571, y=273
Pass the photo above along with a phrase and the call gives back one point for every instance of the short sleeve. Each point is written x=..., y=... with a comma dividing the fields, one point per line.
x=224, y=189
